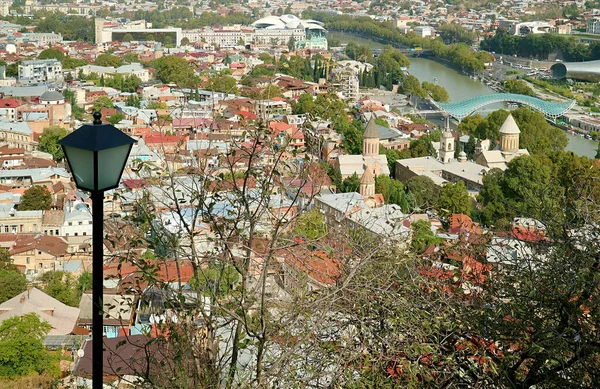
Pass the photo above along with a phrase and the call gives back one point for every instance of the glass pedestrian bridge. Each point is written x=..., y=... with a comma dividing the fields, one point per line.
x=461, y=109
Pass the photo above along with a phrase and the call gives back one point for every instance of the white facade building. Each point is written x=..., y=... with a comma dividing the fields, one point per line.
x=593, y=26
x=78, y=219
x=40, y=70
x=423, y=31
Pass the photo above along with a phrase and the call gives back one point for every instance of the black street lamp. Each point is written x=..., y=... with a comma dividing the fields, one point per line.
x=97, y=155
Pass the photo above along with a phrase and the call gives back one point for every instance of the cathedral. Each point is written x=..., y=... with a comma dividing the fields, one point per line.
x=509, y=147
x=369, y=164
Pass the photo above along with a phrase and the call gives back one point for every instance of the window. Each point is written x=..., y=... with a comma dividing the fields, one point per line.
x=20, y=228
x=80, y=223
x=84, y=233
x=56, y=233
x=6, y=229
x=41, y=265
x=70, y=223
x=27, y=260
x=76, y=234
x=39, y=253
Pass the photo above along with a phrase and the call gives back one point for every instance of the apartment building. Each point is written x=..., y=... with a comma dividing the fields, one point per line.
x=40, y=70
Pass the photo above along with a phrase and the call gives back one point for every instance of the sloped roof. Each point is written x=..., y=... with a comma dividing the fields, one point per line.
x=51, y=96
x=61, y=317
x=53, y=245
x=368, y=177
x=371, y=132
x=509, y=126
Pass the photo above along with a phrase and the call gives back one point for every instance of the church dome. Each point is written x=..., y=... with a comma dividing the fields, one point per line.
x=509, y=126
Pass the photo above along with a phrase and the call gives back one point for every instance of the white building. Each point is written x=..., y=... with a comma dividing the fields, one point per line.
x=41, y=39
x=224, y=37
x=423, y=31
x=527, y=28
x=4, y=7
x=78, y=219
x=40, y=70
x=109, y=71
x=593, y=26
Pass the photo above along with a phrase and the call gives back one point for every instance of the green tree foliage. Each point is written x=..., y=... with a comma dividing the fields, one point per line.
x=266, y=58
x=62, y=286
x=262, y=71
x=175, y=70
x=217, y=279
x=421, y=147
x=351, y=184
x=528, y=187
x=411, y=86
x=127, y=37
x=72, y=63
x=48, y=141
x=72, y=28
x=21, y=349
x=128, y=83
x=223, y=83
x=455, y=33
x=541, y=46
x=108, y=60
x=460, y=54
x=270, y=92
x=424, y=191
x=393, y=192
x=518, y=86
x=51, y=54
x=537, y=135
x=305, y=104
x=185, y=41
x=133, y=101
x=157, y=105
x=311, y=225
x=437, y=92
x=84, y=283
x=361, y=53
x=352, y=133
x=35, y=198
x=13, y=282
x=102, y=102
x=130, y=58
x=453, y=199
x=422, y=236
x=115, y=118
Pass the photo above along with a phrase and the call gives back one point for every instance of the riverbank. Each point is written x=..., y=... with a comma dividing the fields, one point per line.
x=460, y=87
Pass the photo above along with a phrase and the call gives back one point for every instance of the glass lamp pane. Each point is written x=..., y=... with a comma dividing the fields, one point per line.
x=82, y=166
x=111, y=163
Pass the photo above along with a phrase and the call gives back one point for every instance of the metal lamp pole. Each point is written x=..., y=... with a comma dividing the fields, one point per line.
x=97, y=288
x=97, y=155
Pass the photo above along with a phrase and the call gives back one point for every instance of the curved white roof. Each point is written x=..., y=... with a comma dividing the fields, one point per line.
x=287, y=21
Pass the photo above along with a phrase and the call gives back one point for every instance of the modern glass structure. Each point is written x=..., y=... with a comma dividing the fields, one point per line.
x=585, y=71
x=461, y=109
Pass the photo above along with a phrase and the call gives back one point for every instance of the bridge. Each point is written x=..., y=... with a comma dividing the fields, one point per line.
x=405, y=51
x=461, y=109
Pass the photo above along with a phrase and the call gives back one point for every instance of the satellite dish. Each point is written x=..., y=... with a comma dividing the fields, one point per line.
x=80, y=353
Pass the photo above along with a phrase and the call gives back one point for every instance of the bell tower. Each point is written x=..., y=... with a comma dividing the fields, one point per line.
x=447, y=147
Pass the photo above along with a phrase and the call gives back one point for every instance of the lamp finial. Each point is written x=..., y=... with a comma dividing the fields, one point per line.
x=97, y=118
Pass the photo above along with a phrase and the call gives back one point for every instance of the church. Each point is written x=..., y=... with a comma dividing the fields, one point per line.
x=369, y=164
x=509, y=147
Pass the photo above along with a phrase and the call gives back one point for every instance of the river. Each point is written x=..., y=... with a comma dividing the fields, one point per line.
x=460, y=87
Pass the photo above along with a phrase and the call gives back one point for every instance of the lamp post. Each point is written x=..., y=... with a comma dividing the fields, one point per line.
x=97, y=155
